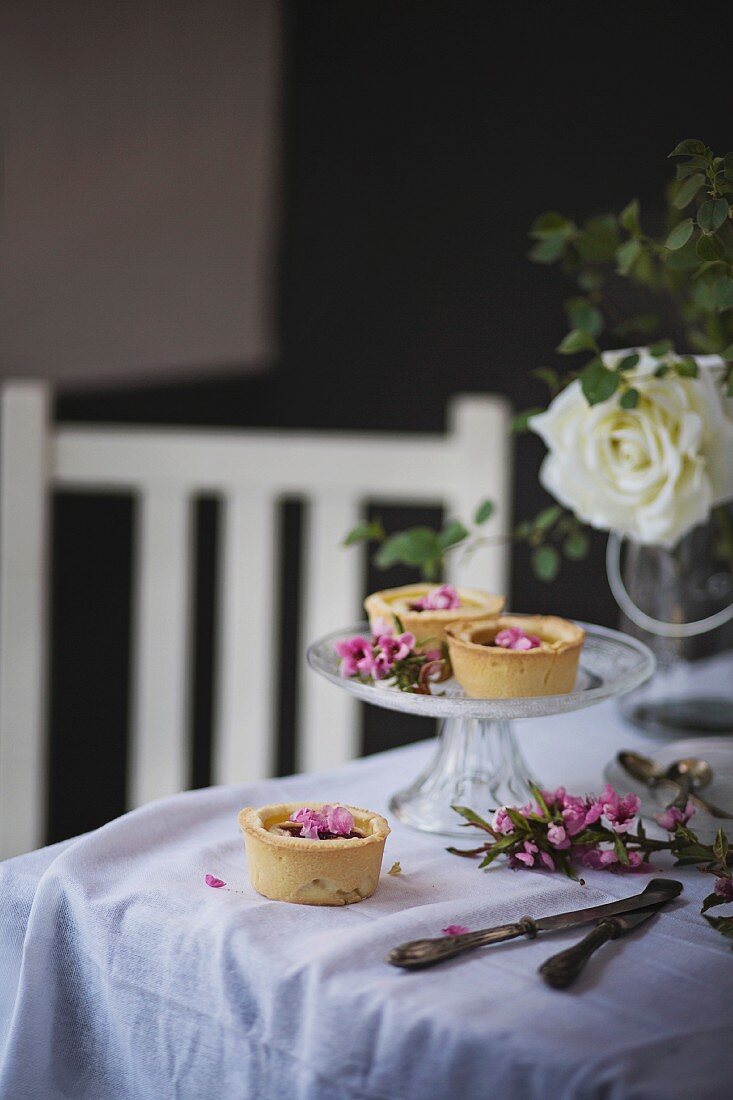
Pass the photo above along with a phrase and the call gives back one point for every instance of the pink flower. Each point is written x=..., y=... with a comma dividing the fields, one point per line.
x=557, y=836
x=455, y=930
x=382, y=625
x=527, y=856
x=724, y=888
x=396, y=648
x=574, y=815
x=356, y=656
x=547, y=860
x=515, y=638
x=444, y=598
x=672, y=817
x=309, y=820
x=502, y=822
x=212, y=880
x=619, y=812
x=337, y=820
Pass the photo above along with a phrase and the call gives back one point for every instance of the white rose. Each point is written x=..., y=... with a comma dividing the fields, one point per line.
x=651, y=473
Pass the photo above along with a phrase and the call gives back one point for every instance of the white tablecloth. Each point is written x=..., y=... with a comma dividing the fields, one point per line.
x=123, y=975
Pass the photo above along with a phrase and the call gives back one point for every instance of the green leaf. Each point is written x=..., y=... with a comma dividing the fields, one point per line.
x=680, y=235
x=546, y=563
x=598, y=383
x=544, y=520
x=728, y=353
x=584, y=316
x=662, y=347
x=724, y=293
x=686, y=367
x=728, y=166
x=453, y=533
x=629, y=399
x=620, y=848
x=627, y=255
x=710, y=248
x=661, y=370
x=688, y=190
x=547, y=250
x=598, y=240
x=644, y=325
x=690, y=147
x=549, y=376
x=724, y=925
x=721, y=847
x=629, y=217
x=539, y=798
x=365, y=532
x=576, y=546
x=712, y=214
x=551, y=224
x=627, y=363
x=484, y=511
x=520, y=423
x=470, y=815
x=576, y=340
x=416, y=546
x=690, y=167
x=711, y=901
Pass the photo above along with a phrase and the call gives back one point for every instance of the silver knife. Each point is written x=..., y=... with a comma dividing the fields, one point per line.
x=421, y=953
x=562, y=969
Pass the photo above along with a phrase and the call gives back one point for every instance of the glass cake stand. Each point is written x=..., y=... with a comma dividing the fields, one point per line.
x=478, y=762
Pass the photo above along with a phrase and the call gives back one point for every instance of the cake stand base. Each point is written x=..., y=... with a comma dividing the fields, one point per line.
x=477, y=764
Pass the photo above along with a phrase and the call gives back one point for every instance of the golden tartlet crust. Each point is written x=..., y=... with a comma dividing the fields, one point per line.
x=491, y=672
x=429, y=626
x=312, y=872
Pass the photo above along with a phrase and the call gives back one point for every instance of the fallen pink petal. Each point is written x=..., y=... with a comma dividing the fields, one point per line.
x=455, y=930
x=212, y=880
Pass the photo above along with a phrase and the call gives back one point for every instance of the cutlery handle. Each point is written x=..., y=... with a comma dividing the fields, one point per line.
x=562, y=969
x=418, y=954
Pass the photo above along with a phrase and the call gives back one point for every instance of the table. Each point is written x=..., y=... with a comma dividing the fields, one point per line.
x=122, y=975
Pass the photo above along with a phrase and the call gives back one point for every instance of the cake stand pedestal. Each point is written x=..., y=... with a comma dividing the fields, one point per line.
x=478, y=762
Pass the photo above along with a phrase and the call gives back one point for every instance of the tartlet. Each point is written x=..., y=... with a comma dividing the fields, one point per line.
x=429, y=626
x=285, y=867
x=488, y=671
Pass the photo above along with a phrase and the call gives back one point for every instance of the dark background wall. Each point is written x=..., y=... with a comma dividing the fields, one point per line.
x=420, y=141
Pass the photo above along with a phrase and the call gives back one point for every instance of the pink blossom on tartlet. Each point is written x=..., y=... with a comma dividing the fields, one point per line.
x=724, y=888
x=513, y=637
x=336, y=820
x=213, y=881
x=396, y=647
x=443, y=598
x=455, y=930
x=673, y=816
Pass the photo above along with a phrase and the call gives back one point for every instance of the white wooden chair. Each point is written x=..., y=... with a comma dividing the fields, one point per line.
x=249, y=470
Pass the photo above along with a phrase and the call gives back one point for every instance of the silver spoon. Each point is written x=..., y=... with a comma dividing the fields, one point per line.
x=697, y=773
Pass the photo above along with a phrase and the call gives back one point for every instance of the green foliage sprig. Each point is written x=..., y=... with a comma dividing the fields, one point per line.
x=688, y=269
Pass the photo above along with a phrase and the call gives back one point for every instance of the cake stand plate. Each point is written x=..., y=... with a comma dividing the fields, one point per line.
x=478, y=762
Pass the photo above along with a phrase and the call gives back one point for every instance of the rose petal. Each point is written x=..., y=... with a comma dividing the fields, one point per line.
x=212, y=880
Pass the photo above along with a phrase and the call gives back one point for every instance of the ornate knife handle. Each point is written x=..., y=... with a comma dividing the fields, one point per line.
x=562, y=969
x=420, y=953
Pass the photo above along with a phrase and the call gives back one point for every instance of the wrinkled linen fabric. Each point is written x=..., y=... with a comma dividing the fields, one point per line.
x=125, y=976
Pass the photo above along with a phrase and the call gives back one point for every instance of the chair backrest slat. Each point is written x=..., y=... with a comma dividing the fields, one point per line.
x=160, y=690
x=244, y=722
x=336, y=475
x=23, y=514
x=328, y=734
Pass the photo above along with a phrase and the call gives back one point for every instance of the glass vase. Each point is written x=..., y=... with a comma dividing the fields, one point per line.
x=680, y=603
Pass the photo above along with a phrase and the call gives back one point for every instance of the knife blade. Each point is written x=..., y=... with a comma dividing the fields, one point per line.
x=417, y=954
x=562, y=969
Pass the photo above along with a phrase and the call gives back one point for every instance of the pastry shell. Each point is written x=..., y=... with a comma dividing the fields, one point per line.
x=490, y=672
x=429, y=626
x=312, y=872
